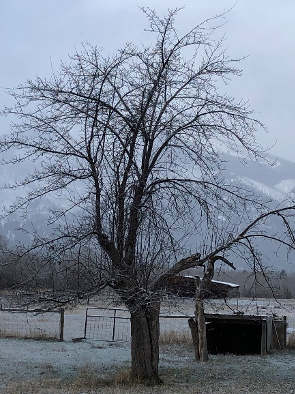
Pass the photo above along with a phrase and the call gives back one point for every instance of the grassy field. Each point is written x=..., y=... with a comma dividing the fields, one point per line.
x=40, y=367
x=222, y=374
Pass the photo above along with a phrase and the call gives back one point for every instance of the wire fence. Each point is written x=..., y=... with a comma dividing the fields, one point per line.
x=32, y=324
x=107, y=324
x=113, y=324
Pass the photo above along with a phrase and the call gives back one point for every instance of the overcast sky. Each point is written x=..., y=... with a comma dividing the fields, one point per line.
x=36, y=33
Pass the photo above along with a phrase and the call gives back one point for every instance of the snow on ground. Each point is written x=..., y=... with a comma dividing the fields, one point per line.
x=30, y=359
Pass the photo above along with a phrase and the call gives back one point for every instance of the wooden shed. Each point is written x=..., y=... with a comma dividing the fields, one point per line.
x=242, y=334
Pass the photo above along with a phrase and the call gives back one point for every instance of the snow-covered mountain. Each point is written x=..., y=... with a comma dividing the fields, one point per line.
x=20, y=226
x=275, y=180
x=33, y=218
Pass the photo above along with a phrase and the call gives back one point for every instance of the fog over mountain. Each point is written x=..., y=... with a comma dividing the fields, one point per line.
x=275, y=180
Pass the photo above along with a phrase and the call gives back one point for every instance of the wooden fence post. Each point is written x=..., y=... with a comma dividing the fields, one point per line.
x=263, y=337
x=195, y=336
x=62, y=324
x=85, y=325
x=285, y=332
x=114, y=325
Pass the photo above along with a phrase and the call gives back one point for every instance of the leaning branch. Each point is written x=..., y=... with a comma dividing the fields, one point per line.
x=181, y=265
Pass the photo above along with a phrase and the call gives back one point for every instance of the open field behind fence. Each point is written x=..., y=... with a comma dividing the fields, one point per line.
x=107, y=324
x=31, y=324
x=113, y=324
x=104, y=320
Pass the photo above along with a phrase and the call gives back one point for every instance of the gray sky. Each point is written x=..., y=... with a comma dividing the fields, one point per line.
x=36, y=33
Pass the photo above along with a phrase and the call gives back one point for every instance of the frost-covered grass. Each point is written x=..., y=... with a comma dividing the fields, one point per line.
x=180, y=374
x=80, y=367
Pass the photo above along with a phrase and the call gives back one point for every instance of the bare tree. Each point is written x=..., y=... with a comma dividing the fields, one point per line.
x=243, y=242
x=129, y=141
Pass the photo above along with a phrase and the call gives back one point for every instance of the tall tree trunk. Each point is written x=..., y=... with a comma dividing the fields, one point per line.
x=195, y=336
x=201, y=323
x=145, y=333
x=201, y=287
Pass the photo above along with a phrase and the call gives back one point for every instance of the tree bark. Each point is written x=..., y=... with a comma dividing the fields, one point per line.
x=201, y=287
x=145, y=333
x=200, y=319
x=195, y=336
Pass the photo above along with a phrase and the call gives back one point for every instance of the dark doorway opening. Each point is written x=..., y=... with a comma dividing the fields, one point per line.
x=234, y=337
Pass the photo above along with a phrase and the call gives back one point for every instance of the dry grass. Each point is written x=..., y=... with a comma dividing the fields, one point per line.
x=31, y=334
x=175, y=338
x=88, y=380
x=223, y=374
x=43, y=386
x=291, y=341
x=28, y=324
x=122, y=378
x=56, y=387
